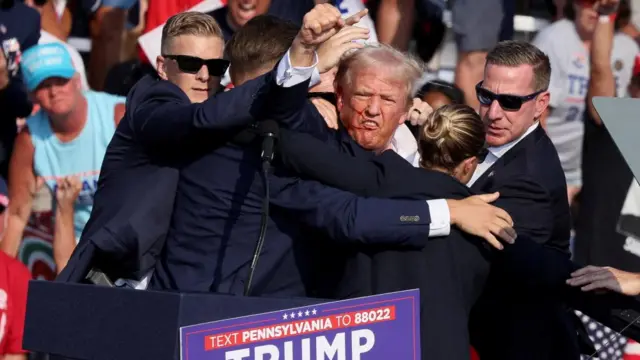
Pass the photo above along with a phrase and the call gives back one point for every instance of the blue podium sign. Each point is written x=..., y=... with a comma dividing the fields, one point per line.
x=378, y=327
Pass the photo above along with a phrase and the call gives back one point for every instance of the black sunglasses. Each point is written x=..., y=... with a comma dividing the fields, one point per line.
x=506, y=101
x=192, y=64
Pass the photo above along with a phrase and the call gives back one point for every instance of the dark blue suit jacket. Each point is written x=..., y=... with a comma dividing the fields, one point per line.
x=134, y=201
x=449, y=271
x=533, y=190
x=217, y=215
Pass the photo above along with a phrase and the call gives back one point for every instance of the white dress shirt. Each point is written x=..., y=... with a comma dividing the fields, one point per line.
x=405, y=145
x=496, y=153
x=286, y=76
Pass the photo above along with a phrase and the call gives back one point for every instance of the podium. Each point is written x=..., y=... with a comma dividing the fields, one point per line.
x=77, y=321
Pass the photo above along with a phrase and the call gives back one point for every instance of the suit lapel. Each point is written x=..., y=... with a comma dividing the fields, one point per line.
x=485, y=181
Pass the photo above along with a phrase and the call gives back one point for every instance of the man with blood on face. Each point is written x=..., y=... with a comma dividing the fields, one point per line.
x=373, y=100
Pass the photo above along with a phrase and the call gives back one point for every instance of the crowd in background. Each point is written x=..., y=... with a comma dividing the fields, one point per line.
x=78, y=97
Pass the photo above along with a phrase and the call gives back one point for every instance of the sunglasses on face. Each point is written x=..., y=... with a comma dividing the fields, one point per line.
x=507, y=102
x=192, y=64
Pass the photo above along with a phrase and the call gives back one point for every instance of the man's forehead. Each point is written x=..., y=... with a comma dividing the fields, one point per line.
x=517, y=80
x=195, y=44
x=376, y=80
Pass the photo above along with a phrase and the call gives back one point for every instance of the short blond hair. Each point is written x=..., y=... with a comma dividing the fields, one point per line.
x=403, y=67
x=189, y=23
x=451, y=134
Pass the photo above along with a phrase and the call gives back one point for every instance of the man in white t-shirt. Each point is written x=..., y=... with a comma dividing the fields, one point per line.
x=567, y=43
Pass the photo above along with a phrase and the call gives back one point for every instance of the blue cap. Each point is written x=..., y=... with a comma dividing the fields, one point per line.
x=46, y=61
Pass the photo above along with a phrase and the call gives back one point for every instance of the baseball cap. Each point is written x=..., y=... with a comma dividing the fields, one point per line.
x=46, y=61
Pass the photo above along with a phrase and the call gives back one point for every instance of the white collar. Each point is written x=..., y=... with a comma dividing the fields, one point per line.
x=499, y=151
x=404, y=144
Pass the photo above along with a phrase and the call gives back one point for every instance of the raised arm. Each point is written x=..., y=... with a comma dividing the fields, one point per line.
x=22, y=187
x=602, y=81
x=168, y=120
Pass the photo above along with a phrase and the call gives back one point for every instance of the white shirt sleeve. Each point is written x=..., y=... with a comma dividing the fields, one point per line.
x=288, y=76
x=440, y=218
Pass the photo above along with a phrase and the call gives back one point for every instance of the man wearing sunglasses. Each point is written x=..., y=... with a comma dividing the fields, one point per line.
x=168, y=119
x=522, y=164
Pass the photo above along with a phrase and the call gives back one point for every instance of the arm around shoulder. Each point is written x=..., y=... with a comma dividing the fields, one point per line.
x=346, y=217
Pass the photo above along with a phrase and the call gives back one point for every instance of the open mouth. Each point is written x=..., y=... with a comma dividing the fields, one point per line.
x=369, y=125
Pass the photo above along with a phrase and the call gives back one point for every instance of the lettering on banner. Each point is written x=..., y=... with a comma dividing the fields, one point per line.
x=344, y=330
x=361, y=340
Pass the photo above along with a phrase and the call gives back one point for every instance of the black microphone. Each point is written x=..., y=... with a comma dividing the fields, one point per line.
x=269, y=131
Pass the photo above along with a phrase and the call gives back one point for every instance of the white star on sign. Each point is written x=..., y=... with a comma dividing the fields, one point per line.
x=292, y=315
x=306, y=313
x=299, y=313
x=314, y=311
x=284, y=317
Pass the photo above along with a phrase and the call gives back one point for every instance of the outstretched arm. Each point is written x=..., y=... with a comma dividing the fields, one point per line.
x=347, y=218
x=168, y=119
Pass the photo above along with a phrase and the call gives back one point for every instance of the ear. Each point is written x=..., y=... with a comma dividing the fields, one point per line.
x=161, y=66
x=77, y=82
x=339, y=98
x=469, y=165
x=542, y=103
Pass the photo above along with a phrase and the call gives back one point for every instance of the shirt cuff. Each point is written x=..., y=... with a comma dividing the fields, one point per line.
x=315, y=78
x=440, y=218
x=288, y=76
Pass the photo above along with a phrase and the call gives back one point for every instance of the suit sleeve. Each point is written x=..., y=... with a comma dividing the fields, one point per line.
x=168, y=119
x=346, y=217
x=306, y=155
x=521, y=197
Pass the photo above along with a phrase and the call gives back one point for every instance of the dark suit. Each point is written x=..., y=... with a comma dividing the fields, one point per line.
x=456, y=265
x=533, y=191
x=539, y=269
x=134, y=201
x=217, y=219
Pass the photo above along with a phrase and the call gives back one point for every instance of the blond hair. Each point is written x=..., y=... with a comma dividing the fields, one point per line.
x=189, y=23
x=451, y=134
x=512, y=53
x=394, y=63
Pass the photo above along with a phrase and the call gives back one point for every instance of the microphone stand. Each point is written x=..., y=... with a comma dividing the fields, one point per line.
x=268, y=129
